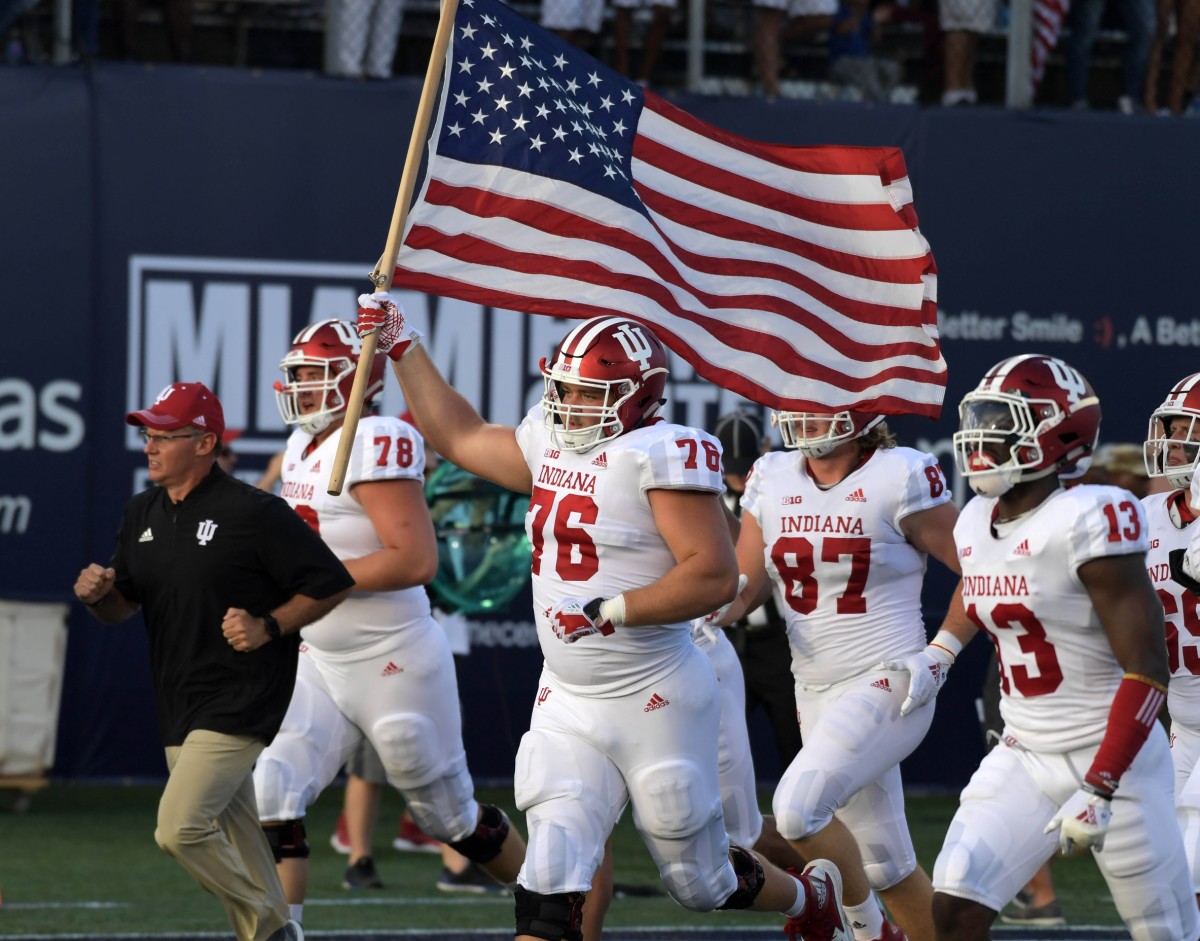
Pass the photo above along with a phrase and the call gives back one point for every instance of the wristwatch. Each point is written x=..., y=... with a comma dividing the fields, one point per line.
x=272, y=626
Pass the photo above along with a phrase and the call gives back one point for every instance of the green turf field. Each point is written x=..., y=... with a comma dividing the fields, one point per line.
x=83, y=860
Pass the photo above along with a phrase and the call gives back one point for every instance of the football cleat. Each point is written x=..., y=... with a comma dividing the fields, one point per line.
x=823, y=918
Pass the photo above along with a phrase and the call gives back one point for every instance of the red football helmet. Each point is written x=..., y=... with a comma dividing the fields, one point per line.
x=802, y=431
x=332, y=346
x=1030, y=416
x=619, y=357
x=1171, y=425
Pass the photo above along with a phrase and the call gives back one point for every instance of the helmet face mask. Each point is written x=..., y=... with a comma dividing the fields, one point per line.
x=816, y=434
x=619, y=369
x=1030, y=416
x=1172, y=445
x=332, y=347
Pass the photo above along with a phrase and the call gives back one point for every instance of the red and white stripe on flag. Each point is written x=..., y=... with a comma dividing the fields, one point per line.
x=1048, y=16
x=793, y=276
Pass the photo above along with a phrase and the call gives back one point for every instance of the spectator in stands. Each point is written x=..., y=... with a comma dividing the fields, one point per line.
x=177, y=16
x=1186, y=16
x=576, y=21
x=1083, y=23
x=855, y=28
x=362, y=36
x=778, y=22
x=962, y=22
x=651, y=47
x=225, y=577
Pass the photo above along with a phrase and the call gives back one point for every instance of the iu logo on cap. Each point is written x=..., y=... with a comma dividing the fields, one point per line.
x=205, y=532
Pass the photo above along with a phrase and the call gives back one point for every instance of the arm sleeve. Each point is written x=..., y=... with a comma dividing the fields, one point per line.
x=924, y=487
x=683, y=459
x=1108, y=521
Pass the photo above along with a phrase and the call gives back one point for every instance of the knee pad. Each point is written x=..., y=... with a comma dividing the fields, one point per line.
x=484, y=844
x=750, y=878
x=284, y=785
x=288, y=839
x=667, y=802
x=552, y=917
x=408, y=745
x=803, y=804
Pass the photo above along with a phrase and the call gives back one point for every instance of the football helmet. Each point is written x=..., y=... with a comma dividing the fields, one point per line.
x=1030, y=416
x=1173, y=424
x=332, y=346
x=620, y=358
x=799, y=430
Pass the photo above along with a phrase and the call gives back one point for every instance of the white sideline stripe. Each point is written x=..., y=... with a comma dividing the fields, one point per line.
x=27, y=906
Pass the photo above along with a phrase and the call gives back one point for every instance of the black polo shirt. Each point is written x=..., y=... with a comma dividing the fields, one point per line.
x=226, y=544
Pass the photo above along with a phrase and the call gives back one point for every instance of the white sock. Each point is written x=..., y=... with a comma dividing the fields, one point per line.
x=798, y=906
x=296, y=913
x=866, y=918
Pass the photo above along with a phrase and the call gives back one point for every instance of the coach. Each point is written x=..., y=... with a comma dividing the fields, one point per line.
x=227, y=576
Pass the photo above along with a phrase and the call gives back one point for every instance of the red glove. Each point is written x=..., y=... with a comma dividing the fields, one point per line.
x=573, y=618
x=379, y=312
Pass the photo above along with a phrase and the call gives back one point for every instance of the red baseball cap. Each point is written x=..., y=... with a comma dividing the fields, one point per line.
x=180, y=405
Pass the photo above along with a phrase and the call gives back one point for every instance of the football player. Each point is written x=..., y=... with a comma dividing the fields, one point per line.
x=1057, y=579
x=842, y=523
x=381, y=667
x=629, y=544
x=1171, y=449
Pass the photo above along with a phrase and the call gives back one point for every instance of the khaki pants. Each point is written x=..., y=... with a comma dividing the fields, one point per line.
x=208, y=820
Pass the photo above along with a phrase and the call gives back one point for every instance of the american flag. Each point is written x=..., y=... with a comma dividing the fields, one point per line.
x=1048, y=16
x=793, y=276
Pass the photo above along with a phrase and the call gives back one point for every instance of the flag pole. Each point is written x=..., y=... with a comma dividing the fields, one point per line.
x=381, y=277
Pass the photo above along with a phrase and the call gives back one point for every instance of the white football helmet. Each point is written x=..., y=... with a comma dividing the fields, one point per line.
x=1166, y=453
x=799, y=430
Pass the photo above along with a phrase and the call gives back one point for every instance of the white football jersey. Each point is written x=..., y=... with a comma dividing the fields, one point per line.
x=593, y=535
x=850, y=581
x=385, y=448
x=1181, y=608
x=1021, y=584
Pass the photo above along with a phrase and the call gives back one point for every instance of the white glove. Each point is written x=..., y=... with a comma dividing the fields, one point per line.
x=927, y=670
x=1082, y=821
x=379, y=312
x=707, y=626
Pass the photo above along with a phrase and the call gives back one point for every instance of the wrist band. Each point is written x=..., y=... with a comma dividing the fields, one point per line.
x=948, y=642
x=613, y=610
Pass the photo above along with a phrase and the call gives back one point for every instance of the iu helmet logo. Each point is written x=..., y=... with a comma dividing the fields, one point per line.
x=635, y=344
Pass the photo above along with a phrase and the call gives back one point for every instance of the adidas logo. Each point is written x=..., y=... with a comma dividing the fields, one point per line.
x=147, y=536
x=883, y=685
x=315, y=469
x=391, y=669
x=858, y=925
x=601, y=461
x=304, y=648
x=856, y=497
x=1022, y=549
x=656, y=702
